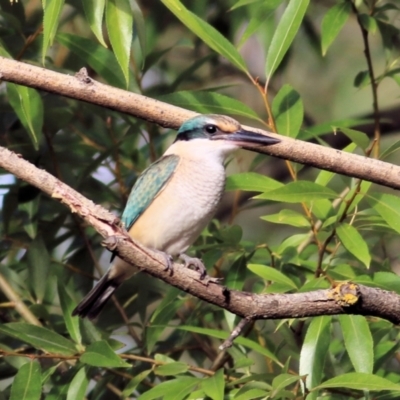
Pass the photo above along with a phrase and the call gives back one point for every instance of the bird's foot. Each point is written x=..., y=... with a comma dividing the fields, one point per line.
x=199, y=266
x=194, y=262
x=168, y=261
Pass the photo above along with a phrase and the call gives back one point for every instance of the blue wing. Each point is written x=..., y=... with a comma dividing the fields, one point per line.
x=147, y=187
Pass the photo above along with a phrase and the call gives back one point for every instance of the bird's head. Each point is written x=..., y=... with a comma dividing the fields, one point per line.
x=224, y=131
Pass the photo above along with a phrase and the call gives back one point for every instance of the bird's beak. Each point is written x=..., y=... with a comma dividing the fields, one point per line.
x=243, y=138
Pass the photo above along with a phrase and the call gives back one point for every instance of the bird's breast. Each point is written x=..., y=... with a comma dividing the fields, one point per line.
x=183, y=208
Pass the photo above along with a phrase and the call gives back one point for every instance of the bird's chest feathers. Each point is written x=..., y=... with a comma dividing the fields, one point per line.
x=183, y=208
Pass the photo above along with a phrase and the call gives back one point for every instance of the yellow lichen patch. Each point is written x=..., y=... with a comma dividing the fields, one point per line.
x=346, y=294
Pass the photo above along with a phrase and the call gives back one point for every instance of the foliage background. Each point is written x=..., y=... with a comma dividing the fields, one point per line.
x=168, y=342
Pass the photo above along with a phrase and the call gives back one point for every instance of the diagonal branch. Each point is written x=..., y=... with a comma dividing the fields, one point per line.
x=344, y=299
x=82, y=87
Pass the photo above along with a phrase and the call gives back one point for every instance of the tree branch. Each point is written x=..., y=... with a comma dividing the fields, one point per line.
x=344, y=299
x=82, y=87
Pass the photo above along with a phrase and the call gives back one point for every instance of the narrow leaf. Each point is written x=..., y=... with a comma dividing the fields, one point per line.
x=28, y=106
x=39, y=337
x=133, y=383
x=358, y=341
x=354, y=243
x=139, y=26
x=102, y=60
x=288, y=217
x=171, y=369
x=67, y=306
x=52, y=12
x=77, y=387
x=207, y=33
x=271, y=274
x=284, y=35
x=288, y=111
x=39, y=264
x=251, y=181
x=119, y=22
x=359, y=381
x=333, y=23
x=224, y=335
x=298, y=192
x=210, y=102
x=314, y=350
x=357, y=137
x=100, y=354
x=214, y=386
x=94, y=11
x=388, y=207
x=27, y=383
x=175, y=389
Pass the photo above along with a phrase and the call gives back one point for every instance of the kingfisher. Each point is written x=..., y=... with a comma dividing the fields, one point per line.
x=175, y=198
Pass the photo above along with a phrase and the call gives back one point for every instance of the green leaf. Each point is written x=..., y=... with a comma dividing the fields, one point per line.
x=77, y=387
x=333, y=23
x=209, y=102
x=39, y=263
x=175, y=389
x=354, y=243
x=31, y=209
x=288, y=111
x=242, y=3
x=214, y=386
x=39, y=337
x=252, y=394
x=140, y=26
x=171, y=369
x=283, y=380
x=288, y=217
x=28, y=106
x=133, y=383
x=388, y=207
x=52, y=12
x=359, y=138
x=94, y=11
x=67, y=306
x=369, y=23
x=259, y=19
x=314, y=350
x=271, y=274
x=284, y=35
x=224, y=335
x=362, y=79
x=251, y=181
x=119, y=21
x=102, y=60
x=298, y=192
x=359, y=381
x=100, y=354
x=27, y=383
x=207, y=33
x=358, y=341
x=161, y=317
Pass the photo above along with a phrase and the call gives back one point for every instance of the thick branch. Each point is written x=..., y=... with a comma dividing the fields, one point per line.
x=349, y=298
x=81, y=87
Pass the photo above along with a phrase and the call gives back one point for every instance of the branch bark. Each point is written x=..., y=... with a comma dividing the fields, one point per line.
x=344, y=299
x=82, y=87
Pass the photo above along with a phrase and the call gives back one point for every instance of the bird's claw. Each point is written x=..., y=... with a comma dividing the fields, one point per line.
x=194, y=262
x=169, y=263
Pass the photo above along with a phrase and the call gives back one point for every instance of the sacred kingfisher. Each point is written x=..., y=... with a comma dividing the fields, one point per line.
x=175, y=198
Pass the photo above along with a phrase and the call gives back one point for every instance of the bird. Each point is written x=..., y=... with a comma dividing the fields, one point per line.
x=175, y=198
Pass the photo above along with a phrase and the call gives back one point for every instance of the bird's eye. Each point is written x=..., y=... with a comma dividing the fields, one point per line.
x=211, y=128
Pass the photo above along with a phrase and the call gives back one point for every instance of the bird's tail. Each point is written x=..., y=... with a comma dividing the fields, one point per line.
x=95, y=300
